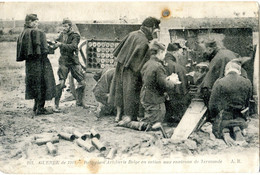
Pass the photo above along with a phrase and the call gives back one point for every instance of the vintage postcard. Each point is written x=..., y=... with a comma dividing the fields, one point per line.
x=129, y=87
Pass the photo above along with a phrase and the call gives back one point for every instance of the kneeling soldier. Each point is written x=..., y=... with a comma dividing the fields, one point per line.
x=228, y=104
x=155, y=82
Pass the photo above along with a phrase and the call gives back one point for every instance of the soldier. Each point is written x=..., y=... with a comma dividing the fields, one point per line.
x=68, y=42
x=131, y=56
x=155, y=82
x=229, y=102
x=32, y=47
x=218, y=59
x=178, y=97
x=101, y=92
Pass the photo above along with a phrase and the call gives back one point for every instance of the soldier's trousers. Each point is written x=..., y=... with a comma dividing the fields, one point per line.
x=153, y=113
x=227, y=119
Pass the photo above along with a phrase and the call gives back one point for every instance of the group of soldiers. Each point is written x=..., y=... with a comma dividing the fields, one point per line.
x=33, y=47
x=149, y=84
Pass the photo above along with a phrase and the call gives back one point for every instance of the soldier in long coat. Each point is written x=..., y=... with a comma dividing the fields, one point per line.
x=131, y=56
x=32, y=47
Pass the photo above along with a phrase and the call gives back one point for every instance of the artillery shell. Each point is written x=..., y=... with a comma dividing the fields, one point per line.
x=111, y=61
x=90, y=49
x=90, y=55
x=107, y=44
x=112, y=45
x=141, y=126
x=98, y=44
x=103, y=44
x=85, y=135
x=111, y=50
x=103, y=55
x=51, y=148
x=77, y=134
x=94, y=133
x=103, y=60
x=98, y=60
x=43, y=135
x=46, y=140
x=94, y=44
x=107, y=55
x=98, y=55
x=66, y=136
x=90, y=44
x=111, y=56
x=102, y=66
x=107, y=50
x=87, y=146
x=99, y=49
x=111, y=153
x=98, y=144
x=103, y=49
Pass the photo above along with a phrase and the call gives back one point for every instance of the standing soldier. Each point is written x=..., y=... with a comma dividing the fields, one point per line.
x=69, y=62
x=32, y=47
x=131, y=56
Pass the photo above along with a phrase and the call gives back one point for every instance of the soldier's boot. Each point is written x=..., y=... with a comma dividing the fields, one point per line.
x=226, y=136
x=80, y=95
x=57, y=97
x=239, y=138
x=140, y=126
x=118, y=114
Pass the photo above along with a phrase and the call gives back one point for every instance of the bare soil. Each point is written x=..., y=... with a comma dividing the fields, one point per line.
x=19, y=153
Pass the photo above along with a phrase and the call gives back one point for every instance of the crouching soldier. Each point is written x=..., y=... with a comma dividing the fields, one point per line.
x=178, y=97
x=101, y=92
x=69, y=62
x=228, y=104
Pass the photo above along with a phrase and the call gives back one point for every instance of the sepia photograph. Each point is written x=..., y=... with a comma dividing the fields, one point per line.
x=129, y=87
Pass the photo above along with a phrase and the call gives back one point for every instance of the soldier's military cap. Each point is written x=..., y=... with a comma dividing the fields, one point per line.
x=151, y=22
x=173, y=47
x=67, y=21
x=31, y=17
x=155, y=45
x=210, y=43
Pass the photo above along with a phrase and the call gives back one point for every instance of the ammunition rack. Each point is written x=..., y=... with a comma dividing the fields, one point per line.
x=99, y=54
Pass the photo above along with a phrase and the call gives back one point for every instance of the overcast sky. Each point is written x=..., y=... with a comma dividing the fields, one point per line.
x=84, y=11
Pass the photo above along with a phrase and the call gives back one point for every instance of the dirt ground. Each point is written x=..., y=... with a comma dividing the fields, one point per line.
x=19, y=154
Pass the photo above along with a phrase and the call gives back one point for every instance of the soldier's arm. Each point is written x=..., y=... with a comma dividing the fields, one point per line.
x=215, y=99
x=73, y=45
x=250, y=92
x=59, y=39
x=161, y=78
